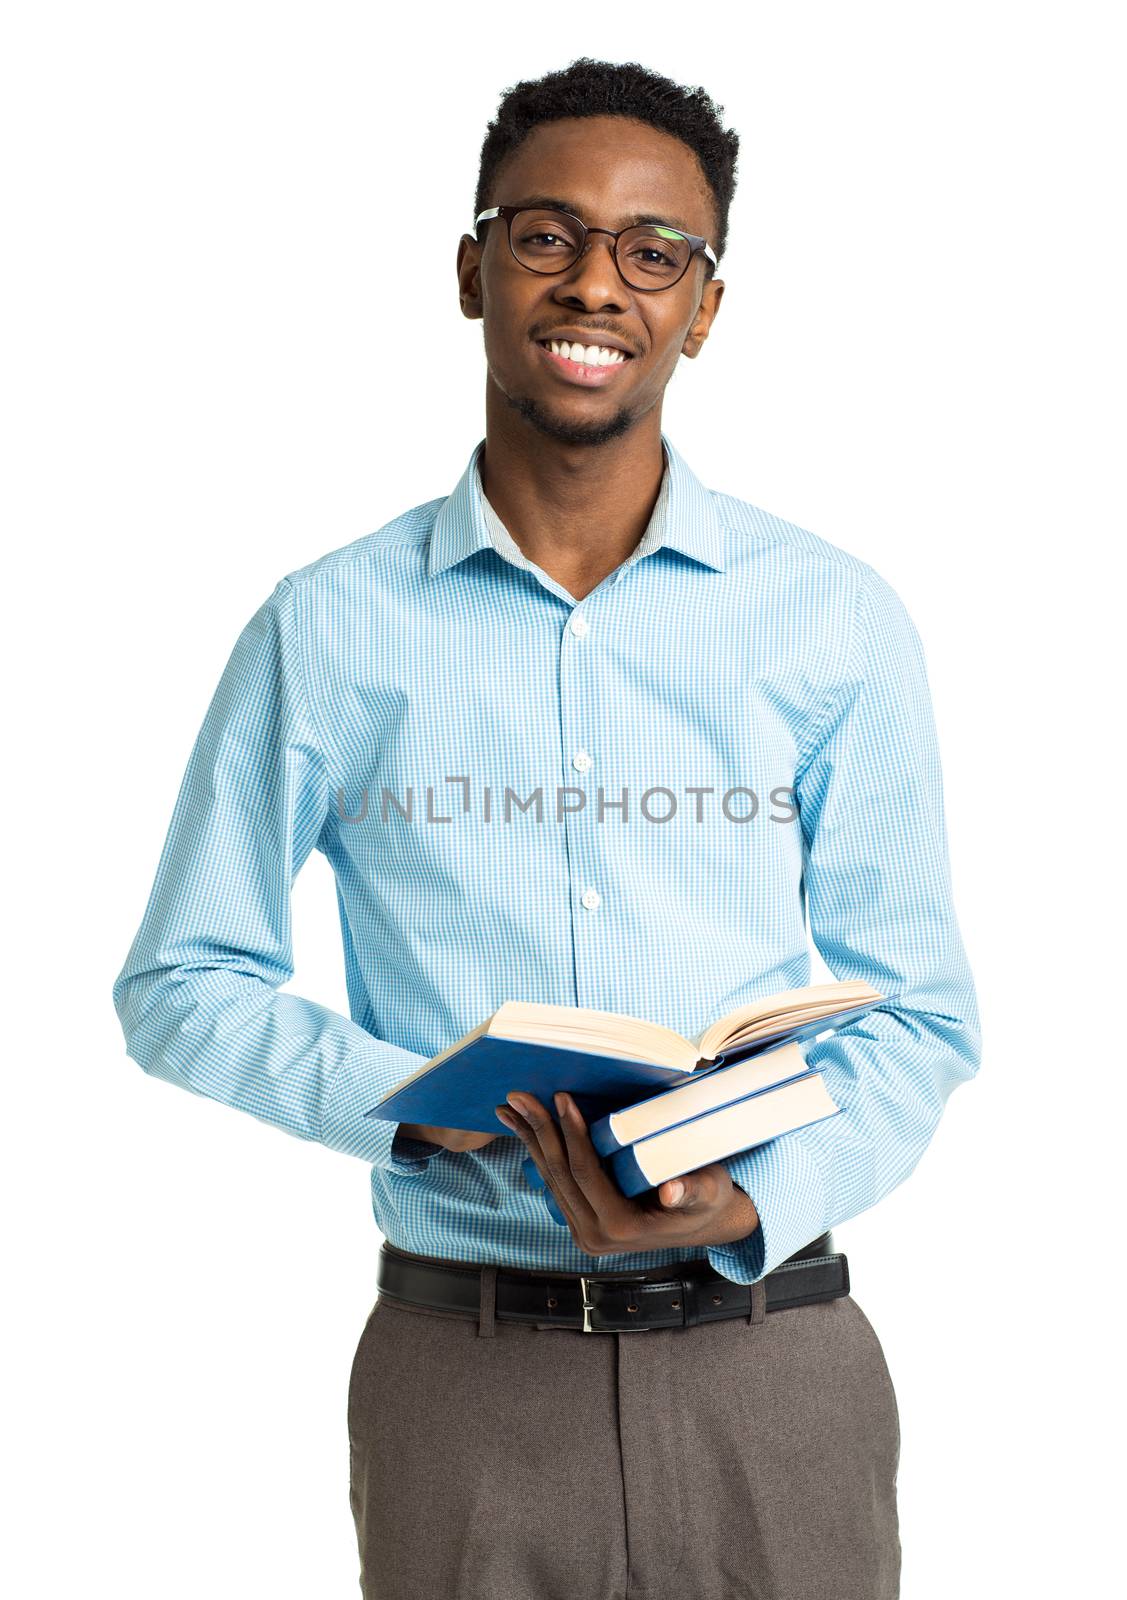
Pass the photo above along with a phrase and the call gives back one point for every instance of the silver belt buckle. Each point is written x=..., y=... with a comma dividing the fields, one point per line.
x=589, y=1306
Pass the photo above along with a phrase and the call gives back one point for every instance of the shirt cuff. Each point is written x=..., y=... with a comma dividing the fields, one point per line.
x=358, y=1082
x=410, y=1155
x=784, y=1181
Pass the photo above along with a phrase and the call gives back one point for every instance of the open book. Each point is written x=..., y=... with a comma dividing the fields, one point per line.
x=604, y=1059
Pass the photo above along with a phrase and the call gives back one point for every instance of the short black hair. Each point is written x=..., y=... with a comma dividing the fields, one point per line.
x=589, y=88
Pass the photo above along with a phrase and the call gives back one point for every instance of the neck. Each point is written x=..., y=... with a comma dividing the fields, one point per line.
x=576, y=511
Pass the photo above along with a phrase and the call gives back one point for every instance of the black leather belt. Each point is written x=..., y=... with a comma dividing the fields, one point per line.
x=679, y=1296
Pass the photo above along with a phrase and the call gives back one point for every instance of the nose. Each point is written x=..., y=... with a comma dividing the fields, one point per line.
x=594, y=278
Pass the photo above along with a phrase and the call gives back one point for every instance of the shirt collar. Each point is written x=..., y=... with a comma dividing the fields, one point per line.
x=684, y=518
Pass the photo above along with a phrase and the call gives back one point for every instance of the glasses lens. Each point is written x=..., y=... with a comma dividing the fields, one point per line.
x=653, y=257
x=545, y=241
x=649, y=256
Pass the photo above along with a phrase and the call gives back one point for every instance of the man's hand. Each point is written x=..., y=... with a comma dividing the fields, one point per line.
x=448, y=1138
x=701, y=1208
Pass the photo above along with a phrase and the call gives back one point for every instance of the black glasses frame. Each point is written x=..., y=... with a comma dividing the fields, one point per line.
x=507, y=213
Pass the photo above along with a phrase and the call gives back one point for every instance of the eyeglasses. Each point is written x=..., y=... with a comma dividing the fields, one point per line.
x=649, y=256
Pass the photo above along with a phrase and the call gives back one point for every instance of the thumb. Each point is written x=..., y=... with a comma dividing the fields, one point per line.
x=675, y=1195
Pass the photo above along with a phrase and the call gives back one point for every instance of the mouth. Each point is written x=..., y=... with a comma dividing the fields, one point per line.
x=589, y=365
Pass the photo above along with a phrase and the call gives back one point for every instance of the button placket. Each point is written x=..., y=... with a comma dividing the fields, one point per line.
x=576, y=668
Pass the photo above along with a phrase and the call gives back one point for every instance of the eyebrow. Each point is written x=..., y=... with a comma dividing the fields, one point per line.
x=550, y=202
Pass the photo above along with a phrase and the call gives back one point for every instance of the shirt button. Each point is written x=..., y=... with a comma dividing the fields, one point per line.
x=590, y=898
x=579, y=626
x=581, y=761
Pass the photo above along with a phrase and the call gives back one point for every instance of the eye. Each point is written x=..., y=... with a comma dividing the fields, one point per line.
x=543, y=236
x=652, y=250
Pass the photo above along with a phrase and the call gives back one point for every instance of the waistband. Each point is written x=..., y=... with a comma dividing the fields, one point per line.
x=680, y=1294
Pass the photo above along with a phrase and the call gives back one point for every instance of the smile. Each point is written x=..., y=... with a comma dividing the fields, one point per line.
x=590, y=365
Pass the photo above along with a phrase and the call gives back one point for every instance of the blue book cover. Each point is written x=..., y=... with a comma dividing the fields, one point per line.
x=461, y=1089
x=464, y=1089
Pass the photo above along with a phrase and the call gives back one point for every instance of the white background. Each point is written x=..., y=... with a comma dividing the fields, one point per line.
x=233, y=343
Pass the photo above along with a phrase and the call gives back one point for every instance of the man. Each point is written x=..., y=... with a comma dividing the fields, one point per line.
x=481, y=715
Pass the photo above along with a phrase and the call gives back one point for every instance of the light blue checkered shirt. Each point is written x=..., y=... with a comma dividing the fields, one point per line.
x=526, y=797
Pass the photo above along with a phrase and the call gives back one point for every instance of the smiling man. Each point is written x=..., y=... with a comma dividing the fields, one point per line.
x=582, y=619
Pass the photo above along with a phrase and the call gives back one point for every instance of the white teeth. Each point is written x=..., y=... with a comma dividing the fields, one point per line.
x=591, y=355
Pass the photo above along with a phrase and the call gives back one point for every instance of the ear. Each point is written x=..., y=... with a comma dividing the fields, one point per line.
x=711, y=296
x=469, y=276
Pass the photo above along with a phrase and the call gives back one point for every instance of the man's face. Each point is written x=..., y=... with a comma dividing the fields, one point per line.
x=610, y=170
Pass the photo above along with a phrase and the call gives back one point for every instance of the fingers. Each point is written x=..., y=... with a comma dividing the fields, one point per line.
x=535, y=1131
x=569, y=1164
x=602, y=1220
x=541, y=1138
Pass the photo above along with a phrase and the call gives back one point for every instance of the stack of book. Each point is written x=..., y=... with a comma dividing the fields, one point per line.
x=656, y=1105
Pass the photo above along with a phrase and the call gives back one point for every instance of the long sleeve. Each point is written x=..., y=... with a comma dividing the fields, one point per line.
x=198, y=995
x=878, y=896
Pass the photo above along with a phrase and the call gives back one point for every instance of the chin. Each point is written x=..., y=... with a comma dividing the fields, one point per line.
x=569, y=430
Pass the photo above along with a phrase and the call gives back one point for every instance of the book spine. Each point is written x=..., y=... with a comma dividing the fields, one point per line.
x=603, y=1136
x=628, y=1174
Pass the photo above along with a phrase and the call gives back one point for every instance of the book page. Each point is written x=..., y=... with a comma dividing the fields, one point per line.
x=760, y=1018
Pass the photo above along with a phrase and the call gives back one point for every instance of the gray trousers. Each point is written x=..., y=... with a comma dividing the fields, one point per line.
x=754, y=1458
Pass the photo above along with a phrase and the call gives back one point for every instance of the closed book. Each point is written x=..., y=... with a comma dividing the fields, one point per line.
x=703, y=1093
x=606, y=1061
x=719, y=1134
